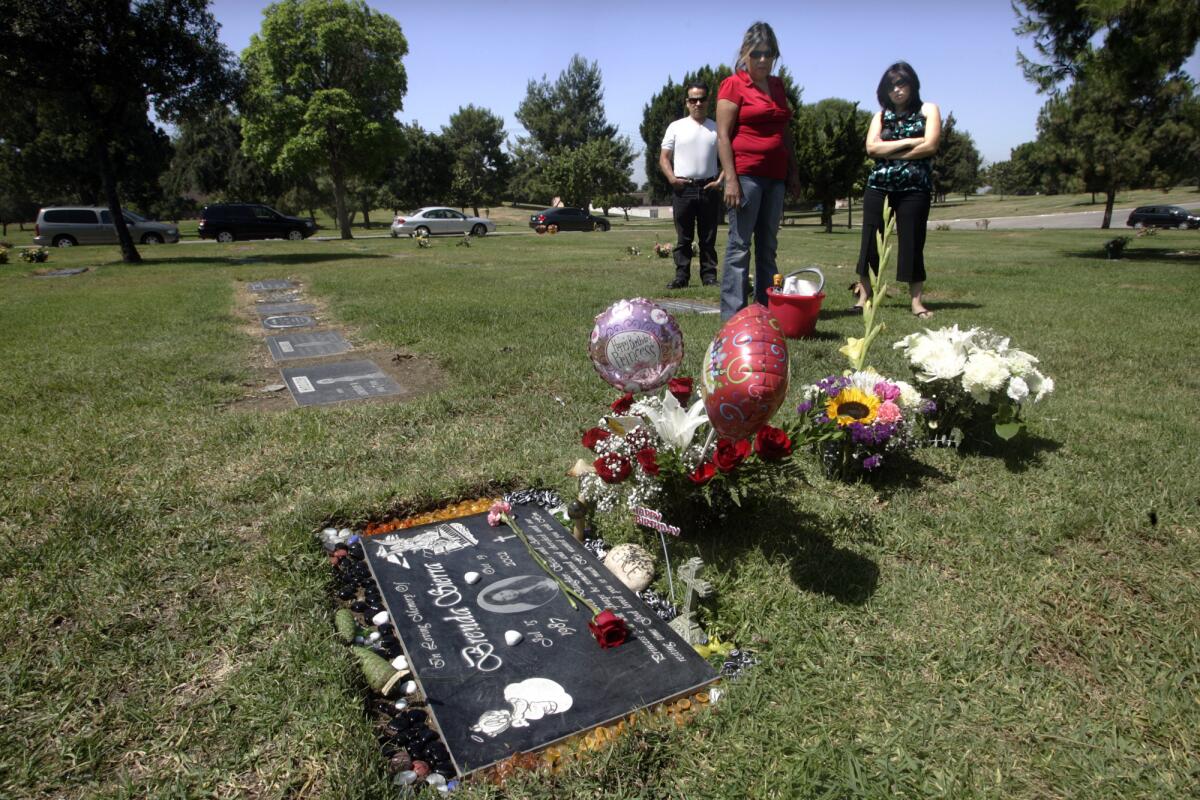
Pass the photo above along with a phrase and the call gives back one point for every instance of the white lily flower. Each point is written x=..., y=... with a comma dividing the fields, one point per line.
x=675, y=426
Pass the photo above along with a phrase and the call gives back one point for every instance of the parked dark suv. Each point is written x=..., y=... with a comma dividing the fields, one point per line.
x=229, y=222
x=1162, y=217
x=568, y=219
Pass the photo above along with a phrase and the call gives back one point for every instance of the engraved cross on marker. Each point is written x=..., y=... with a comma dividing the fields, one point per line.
x=504, y=538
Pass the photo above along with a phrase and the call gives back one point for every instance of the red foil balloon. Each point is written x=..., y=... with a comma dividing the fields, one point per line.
x=745, y=373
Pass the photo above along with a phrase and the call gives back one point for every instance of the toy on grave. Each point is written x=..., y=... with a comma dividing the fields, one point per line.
x=745, y=373
x=347, y=628
x=380, y=675
x=694, y=589
x=636, y=345
x=632, y=564
x=577, y=513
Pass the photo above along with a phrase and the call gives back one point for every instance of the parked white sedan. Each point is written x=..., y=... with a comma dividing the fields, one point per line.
x=434, y=220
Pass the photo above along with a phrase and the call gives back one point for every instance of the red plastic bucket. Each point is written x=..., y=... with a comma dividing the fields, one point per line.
x=797, y=313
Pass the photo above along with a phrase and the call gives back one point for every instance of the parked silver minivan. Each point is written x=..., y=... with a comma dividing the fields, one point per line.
x=67, y=226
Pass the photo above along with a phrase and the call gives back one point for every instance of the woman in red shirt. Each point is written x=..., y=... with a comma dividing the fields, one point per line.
x=754, y=142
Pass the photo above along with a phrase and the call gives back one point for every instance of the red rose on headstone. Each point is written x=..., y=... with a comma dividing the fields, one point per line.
x=609, y=629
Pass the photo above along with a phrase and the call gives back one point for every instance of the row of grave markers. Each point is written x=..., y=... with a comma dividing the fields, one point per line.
x=280, y=309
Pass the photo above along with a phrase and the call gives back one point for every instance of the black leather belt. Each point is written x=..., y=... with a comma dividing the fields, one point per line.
x=700, y=181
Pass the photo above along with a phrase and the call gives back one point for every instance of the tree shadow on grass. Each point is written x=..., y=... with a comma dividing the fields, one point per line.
x=262, y=260
x=1190, y=255
x=781, y=533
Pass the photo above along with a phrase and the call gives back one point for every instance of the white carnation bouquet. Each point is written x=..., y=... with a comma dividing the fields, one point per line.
x=976, y=378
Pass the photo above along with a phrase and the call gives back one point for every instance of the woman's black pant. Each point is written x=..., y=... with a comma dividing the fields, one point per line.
x=912, y=215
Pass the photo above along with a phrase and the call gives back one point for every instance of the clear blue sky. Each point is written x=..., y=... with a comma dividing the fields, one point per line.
x=485, y=53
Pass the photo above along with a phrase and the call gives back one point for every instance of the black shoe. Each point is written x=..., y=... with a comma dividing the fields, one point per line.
x=710, y=282
x=676, y=285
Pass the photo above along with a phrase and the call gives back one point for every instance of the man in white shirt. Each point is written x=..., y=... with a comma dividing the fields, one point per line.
x=689, y=162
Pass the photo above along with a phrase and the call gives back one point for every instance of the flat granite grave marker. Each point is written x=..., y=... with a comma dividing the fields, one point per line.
x=272, y=285
x=273, y=309
x=288, y=321
x=335, y=383
x=292, y=346
x=687, y=306
x=62, y=273
x=491, y=699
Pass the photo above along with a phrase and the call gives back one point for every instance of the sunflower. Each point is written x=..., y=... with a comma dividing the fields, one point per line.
x=852, y=405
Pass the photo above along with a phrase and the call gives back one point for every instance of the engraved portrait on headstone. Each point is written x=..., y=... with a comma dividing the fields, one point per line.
x=518, y=594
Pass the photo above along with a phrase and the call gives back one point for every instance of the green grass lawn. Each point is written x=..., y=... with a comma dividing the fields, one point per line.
x=1012, y=624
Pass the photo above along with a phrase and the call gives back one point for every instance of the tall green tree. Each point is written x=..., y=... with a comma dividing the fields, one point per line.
x=421, y=175
x=90, y=70
x=475, y=140
x=595, y=172
x=956, y=166
x=560, y=119
x=830, y=156
x=1118, y=98
x=324, y=81
x=209, y=161
x=666, y=106
x=1089, y=132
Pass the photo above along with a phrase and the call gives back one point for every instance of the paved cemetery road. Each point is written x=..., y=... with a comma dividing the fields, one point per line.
x=1076, y=219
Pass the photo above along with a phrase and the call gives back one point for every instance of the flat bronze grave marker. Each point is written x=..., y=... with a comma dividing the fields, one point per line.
x=688, y=307
x=288, y=321
x=491, y=699
x=292, y=346
x=273, y=309
x=336, y=383
x=272, y=285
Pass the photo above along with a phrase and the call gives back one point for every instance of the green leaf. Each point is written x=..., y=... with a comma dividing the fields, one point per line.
x=1008, y=430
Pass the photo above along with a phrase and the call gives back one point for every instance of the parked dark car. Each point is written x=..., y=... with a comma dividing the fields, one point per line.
x=568, y=219
x=230, y=222
x=1162, y=217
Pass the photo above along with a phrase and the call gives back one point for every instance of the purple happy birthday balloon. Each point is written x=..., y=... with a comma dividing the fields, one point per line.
x=636, y=345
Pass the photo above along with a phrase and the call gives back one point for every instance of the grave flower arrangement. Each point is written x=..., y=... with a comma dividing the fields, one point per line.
x=978, y=379
x=661, y=452
x=861, y=421
x=35, y=255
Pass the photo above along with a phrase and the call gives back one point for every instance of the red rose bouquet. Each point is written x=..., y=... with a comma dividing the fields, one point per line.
x=661, y=452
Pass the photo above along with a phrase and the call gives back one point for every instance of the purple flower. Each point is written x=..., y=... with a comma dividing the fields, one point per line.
x=833, y=384
x=928, y=407
x=871, y=462
x=872, y=434
x=804, y=407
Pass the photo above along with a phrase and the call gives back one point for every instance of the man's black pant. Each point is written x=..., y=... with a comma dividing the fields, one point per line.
x=696, y=210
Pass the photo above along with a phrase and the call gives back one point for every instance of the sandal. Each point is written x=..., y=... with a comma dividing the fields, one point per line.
x=926, y=314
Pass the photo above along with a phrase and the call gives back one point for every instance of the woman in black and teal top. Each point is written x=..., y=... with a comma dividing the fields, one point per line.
x=902, y=139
